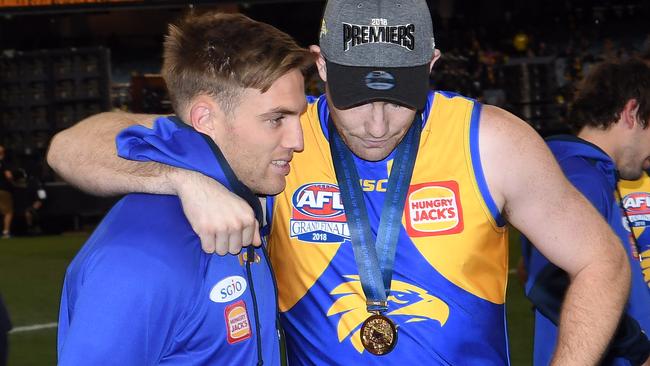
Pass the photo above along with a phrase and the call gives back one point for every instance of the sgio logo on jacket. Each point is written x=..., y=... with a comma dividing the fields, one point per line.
x=228, y=289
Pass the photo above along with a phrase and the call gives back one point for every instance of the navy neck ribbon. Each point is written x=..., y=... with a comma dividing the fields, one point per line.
x=375, y=263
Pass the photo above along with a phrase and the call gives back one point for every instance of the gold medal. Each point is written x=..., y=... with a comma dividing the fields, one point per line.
x=378, y=335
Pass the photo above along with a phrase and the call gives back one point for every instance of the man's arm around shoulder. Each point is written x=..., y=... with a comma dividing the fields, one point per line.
x=85, y=155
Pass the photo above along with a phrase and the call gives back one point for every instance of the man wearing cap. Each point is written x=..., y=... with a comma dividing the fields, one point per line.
x=390, y=242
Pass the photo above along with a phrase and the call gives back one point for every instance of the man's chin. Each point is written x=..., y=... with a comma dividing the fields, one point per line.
x=631, y=175
x=371, y=154
x=269, y=189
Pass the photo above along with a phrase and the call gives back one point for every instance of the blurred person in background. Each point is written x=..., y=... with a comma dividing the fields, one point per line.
x=635, y=201
x=29, y=198
x=610, y=115
x=5, y=327
x=6, y=196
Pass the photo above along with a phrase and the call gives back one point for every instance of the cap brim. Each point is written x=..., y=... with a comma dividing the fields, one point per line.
x=350, y=86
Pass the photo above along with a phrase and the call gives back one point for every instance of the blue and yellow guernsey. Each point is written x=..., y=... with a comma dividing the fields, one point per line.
x=636, y=201
x=449, y=280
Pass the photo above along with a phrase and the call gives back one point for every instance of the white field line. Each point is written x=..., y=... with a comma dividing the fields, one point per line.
x=31, y=328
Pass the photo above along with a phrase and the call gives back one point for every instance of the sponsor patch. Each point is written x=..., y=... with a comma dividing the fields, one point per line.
x=228, y=289
x=243, y=258
x=380, y=80
x=433, y=209
x=237, y=322
x=637, y=205
x=317, y=214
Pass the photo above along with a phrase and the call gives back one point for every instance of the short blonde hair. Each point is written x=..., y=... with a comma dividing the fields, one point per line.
x=220, y=54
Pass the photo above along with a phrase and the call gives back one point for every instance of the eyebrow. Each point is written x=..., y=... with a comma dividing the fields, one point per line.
x=279, y=110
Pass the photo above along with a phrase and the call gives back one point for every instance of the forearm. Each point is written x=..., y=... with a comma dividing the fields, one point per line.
x=591, y=311
x=85, y=155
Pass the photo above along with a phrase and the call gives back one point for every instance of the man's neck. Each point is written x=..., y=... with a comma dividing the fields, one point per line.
x=606, y=140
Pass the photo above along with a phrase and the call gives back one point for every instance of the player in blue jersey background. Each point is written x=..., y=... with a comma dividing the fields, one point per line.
x=610, y=114
x=141, y=291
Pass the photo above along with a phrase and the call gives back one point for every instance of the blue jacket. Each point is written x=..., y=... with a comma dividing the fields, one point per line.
x=594, y=174
x=142, y=292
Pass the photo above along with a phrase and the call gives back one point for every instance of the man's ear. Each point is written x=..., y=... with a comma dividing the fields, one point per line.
x=320, y=62
x=436, y=56
x=204, y=115
x=630, y=114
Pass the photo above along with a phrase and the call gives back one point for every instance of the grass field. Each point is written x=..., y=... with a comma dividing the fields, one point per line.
x=32, y=270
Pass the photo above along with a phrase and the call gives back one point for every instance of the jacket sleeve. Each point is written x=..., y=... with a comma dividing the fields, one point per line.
x=121, y=310
x=629, y=341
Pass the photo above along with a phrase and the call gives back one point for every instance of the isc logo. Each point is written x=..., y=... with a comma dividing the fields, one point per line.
x=318, y=200
x=370, y=185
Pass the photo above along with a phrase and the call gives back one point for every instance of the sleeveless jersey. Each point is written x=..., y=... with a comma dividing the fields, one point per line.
x=450, y=272
x=636, y=201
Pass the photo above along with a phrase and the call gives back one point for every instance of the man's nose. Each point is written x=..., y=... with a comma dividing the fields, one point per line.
x=293, y=136
x=377, y=125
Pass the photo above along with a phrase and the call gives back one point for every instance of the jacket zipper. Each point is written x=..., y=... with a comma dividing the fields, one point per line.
x=250, y=258
x=278, y=328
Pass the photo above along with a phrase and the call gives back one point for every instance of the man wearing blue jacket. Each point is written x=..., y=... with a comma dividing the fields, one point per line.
x=141, y=291
x=610, y=114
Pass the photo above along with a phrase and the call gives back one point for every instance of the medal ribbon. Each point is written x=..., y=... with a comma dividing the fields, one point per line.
x=375, y=262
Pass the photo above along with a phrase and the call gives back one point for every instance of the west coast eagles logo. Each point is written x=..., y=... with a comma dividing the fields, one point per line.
x=317, y=214
x=408, y=304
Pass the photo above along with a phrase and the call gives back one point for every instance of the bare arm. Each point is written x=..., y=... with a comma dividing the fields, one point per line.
x=85, y=155
x=535, y=197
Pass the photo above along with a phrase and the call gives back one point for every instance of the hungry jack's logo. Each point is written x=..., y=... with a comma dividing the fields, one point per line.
x=407, y=303
x=237, y=322
x=433, y=209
